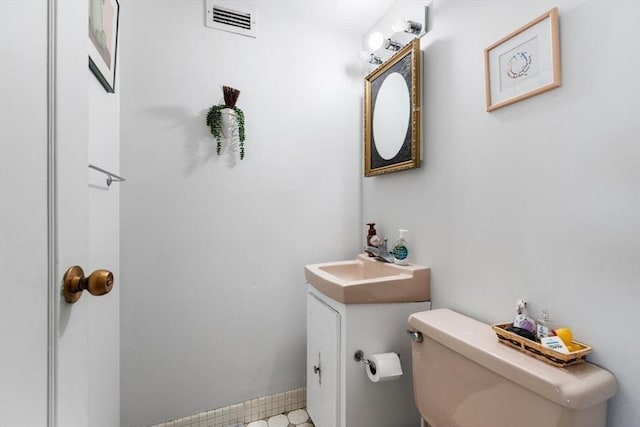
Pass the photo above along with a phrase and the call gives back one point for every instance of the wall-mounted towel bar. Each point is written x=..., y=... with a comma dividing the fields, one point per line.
x=111, y=177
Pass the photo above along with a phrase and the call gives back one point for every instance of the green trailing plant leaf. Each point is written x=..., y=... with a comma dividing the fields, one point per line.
x=240, y=120
x=214, y=121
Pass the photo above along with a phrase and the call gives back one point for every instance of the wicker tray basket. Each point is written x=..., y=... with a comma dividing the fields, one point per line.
x=536, y=350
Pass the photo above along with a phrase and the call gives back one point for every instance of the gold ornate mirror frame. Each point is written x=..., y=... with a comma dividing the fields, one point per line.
x=405, y=62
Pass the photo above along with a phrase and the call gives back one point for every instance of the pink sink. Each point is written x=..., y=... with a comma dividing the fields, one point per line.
x=366, y=280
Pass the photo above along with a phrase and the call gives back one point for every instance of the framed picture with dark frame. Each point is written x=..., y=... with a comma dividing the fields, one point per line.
x=103, y=41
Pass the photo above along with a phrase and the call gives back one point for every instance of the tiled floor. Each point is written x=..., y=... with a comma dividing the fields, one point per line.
x=297, y=418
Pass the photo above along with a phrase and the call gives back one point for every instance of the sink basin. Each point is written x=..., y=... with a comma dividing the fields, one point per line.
x=367, y=280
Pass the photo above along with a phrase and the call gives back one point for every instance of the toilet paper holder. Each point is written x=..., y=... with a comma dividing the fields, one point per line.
x=358, y=356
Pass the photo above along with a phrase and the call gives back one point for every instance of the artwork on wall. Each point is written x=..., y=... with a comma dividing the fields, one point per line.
x=525, y=63
x=103, y=41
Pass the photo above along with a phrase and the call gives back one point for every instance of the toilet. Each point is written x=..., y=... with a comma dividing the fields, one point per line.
x=463, y=377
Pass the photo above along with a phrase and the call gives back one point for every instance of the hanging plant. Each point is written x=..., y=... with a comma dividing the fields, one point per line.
x=214, y=119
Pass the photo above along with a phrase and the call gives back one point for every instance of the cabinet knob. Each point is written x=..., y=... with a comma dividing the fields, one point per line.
x=318, y=370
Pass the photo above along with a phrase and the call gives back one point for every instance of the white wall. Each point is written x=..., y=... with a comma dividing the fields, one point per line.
x=23, y=213
x=537, y=200
x=213, y=248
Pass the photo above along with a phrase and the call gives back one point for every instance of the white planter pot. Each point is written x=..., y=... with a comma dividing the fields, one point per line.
x=228, y=122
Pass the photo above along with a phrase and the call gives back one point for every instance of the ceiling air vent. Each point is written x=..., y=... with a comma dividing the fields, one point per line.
x=230, y=16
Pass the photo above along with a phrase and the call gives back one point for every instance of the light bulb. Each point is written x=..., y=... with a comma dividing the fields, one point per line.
x=398, y=25
x=375, y=40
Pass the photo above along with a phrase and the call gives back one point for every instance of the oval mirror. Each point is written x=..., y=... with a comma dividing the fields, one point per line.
x=391, y=115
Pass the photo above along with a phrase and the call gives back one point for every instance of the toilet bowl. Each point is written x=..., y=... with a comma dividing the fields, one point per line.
x=463, y=377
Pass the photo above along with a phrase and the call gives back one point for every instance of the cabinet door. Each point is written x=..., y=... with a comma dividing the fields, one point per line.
x=323, y=362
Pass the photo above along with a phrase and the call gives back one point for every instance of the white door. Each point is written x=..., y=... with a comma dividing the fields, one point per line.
x=48, y=348
x=38, y=242
x=87, y=332
x=323, y=362
x=72, y=241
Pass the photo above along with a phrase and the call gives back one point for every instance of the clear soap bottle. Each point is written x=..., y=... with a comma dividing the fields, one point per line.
x=400, y=249
x=545, y=326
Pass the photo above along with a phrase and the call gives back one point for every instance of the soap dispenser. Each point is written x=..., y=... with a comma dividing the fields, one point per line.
x=400, y=249
x=371, y=233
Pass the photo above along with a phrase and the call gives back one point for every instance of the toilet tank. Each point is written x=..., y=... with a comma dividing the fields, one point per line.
x=463, y=377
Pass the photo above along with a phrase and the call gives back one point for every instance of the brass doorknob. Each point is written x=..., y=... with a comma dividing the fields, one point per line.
x=98, y=283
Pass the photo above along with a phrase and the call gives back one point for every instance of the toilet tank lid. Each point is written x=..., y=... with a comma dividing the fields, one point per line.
x=577, y=387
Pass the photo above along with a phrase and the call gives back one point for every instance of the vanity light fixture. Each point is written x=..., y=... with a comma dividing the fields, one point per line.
x=411, y=27
x=417, y=27
x=370, y=58
x=392, y=45
x=373, y=59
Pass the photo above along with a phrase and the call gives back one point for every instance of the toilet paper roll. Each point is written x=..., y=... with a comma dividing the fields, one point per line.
x=384, y=367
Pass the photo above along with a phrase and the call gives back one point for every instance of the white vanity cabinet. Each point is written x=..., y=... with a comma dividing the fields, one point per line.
x=339, y=393
x=323, y=361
